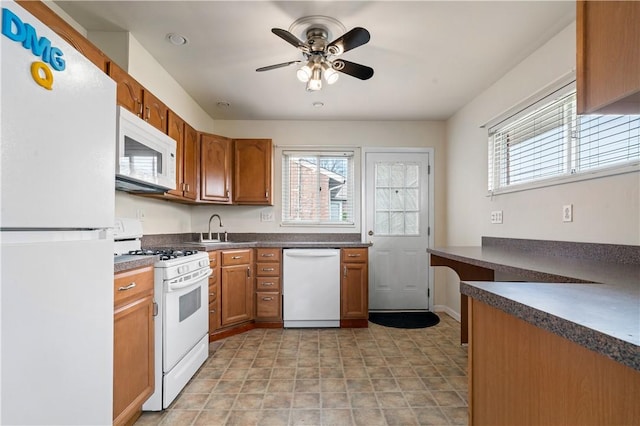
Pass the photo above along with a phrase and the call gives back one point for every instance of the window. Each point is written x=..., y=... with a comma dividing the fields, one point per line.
x=318, y=188
x=549, y=140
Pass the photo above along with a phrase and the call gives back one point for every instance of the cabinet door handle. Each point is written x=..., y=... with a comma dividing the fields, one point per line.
x=267, y=284
x=267, y=255
x=213, y=311
x=140, y=110
x=268, y=269
x=148, y=113
x=353, y=255
x=345, y=271
x=236, y=257
x=227, y=193
x=267, y=299
x=266, y=194
x=248, y=272
x=129, y=287
x=212, y=294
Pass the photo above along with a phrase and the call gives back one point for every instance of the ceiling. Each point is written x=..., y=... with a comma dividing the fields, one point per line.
x=430, y=57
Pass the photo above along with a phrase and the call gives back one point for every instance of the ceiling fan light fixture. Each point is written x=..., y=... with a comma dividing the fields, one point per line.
x=316, y=80
x=304, y=73
x=330, y=75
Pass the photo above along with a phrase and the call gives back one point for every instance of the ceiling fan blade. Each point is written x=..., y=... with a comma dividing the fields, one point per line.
x=290, y=38
x=362, y=72
x=349, y=40
x=273, y=67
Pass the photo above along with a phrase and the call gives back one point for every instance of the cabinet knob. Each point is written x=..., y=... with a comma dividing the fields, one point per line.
x=213, y=311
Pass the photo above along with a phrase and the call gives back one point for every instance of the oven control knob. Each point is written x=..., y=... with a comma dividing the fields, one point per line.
x=183, y=269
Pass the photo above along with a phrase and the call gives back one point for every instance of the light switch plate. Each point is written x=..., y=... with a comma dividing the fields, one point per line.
x=567, y=213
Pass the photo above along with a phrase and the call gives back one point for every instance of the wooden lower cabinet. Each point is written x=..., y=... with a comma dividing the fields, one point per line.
x=268, y=278
x=520, y=374
x=133, y=339
x=354, y=287
x=236, y=287
x=214, y=293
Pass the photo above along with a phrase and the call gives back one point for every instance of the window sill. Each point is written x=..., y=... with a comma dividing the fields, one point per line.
x=561, y=180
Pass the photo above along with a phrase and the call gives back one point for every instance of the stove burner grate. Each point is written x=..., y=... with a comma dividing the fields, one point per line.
x=165, y=254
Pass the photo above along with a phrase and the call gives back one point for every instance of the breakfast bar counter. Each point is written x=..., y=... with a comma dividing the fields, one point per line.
x=553, y=330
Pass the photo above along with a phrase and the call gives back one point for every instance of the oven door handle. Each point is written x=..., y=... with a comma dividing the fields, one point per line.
x=194, y=278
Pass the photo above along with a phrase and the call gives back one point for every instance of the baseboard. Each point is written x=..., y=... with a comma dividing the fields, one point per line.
x=447, y=310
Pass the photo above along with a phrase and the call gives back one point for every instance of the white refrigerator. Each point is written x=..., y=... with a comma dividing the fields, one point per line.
x=56, y=213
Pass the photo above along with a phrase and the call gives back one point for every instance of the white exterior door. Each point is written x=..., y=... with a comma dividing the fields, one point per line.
x=397, y=219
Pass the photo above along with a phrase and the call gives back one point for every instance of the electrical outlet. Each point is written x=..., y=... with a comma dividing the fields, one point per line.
x=140, y=215
x=567, y=213
x=496, y=216
x=266, y=216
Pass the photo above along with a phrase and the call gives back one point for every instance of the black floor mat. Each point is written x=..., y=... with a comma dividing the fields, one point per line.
x=404, y=319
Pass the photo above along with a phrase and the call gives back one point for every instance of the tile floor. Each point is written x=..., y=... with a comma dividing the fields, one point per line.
x=373, y=376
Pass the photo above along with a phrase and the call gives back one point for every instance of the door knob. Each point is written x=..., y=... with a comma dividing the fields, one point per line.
x=370, y=233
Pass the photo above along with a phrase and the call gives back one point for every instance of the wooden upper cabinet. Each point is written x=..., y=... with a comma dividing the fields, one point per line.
x=67, y=32
x=608, y=57
x=191, y=163
x=129, y=92
x=175, y=130
x=155, y=112
x=215, y=168
x=252, y=177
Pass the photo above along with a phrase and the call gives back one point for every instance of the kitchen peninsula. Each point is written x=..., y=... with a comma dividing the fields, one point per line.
x=554, y=330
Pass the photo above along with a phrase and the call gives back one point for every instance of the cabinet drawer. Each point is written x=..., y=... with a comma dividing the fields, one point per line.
x=355, y=255
x=214, y=259
x=131, y=284
x=213, y=292
x=268, y=269
x=267, y=305
x=268, y=254
x=268, y=284
x=236, y=257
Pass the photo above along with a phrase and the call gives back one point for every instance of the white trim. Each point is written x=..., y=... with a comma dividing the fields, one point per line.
x=447, y=310
x=430, y=201
x=564, y=179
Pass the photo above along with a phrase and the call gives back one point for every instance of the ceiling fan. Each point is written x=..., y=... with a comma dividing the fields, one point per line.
x=319, y=54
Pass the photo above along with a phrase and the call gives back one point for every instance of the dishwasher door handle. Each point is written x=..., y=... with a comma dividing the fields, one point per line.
x=312, y=253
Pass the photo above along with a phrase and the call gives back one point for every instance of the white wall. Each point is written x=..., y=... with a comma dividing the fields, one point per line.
x=606, y=210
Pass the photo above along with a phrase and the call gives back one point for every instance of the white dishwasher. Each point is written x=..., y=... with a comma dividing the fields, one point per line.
x=311, y=287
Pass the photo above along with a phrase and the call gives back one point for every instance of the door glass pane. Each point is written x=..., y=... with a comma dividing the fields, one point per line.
x=382, y=174
x=382, y=199
x=397, y=223
x=382, y=223
x=411, y=224
x=397, y=198
x=412, y=175
x=411, y=199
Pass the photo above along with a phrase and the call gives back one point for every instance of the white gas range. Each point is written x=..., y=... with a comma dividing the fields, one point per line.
x=181, y=326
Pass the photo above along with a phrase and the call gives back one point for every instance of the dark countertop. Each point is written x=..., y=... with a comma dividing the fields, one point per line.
x=592, y=302
x=602, y=318
x=125, y=262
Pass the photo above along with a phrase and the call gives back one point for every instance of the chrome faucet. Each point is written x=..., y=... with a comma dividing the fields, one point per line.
x=219, y=221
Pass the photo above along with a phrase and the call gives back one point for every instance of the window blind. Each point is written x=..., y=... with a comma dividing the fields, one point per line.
x=317, y=187
x=549, y=139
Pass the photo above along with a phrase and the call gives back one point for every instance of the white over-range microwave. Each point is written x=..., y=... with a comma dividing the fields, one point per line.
x=145, y=157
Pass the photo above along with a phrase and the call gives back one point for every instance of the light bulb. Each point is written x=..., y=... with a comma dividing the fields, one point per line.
x=330, y=75
x=316, y=79
x=304, y=73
